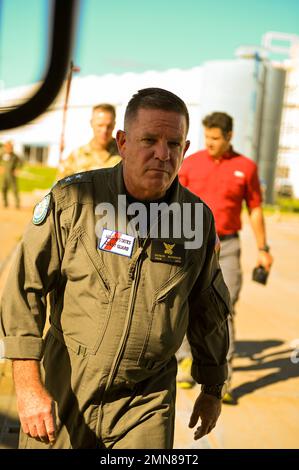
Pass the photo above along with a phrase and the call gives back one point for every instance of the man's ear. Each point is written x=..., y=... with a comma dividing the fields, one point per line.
x=121, y=142
x=229, y=136
x=187, y=145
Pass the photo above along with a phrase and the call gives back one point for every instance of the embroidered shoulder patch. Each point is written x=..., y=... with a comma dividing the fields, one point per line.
x=41, y=210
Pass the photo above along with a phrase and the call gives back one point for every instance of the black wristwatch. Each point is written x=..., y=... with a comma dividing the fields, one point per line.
x=217, y=390
x=265, y=248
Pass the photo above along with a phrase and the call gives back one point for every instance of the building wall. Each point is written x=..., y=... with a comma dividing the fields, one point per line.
x=288, y=157
x=232, y=86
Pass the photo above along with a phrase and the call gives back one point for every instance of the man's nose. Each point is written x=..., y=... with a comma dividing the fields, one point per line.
x=162, y=151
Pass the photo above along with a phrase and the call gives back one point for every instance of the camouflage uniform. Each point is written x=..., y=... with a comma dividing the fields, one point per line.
x=86, y=158
x=10, y=162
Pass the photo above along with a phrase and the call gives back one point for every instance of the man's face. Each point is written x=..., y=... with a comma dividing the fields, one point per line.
x=216, y=143
x=102, y=123
x=152, y=150
x=8, y=147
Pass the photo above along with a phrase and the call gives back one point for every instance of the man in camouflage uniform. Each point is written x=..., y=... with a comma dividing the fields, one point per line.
x=101, y=151
x=10, y=161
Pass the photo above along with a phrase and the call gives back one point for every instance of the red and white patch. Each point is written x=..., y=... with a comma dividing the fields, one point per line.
x=116, y=242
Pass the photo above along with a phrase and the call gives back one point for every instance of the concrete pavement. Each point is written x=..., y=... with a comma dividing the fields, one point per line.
x=265, y=380
x=266, y=368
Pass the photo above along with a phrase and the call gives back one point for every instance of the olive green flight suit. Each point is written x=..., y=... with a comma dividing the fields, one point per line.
x=116, y=321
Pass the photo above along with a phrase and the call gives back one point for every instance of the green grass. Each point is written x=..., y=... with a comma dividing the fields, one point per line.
x=35, y=177
x=31, y=177
x=288, y=205
x=282, y=204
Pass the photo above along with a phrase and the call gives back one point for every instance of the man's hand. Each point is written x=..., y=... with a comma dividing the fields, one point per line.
x=258, y=226
x=208, y=408
x=265, y=260
x=35, y=405
x=37, y=414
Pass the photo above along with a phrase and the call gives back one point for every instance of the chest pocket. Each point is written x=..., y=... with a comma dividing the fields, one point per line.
x=168, y=318
x=88, y=294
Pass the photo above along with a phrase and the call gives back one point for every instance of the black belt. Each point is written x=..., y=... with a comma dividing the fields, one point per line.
x=229, y=236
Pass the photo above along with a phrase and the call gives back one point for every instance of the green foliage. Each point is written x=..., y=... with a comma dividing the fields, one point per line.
x=288, y=204
x=283, y=204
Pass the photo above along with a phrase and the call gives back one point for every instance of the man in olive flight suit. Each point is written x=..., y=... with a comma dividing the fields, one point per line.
x=122, y=297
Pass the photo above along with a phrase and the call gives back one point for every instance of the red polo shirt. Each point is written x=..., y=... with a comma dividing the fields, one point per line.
x=223, y=184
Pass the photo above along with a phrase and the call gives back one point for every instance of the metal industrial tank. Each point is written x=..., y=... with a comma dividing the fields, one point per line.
x=250, y=89
x=267, y=131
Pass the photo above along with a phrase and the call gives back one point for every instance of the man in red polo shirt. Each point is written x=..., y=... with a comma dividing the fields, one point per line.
x=223, y=179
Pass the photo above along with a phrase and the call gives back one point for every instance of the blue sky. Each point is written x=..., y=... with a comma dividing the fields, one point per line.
x=135, y=35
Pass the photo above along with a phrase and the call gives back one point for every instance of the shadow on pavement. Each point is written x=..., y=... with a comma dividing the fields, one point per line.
x=250, y=348
x=285, y=368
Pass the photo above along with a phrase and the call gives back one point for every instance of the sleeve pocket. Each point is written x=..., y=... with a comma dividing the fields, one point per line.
x=214, y=305
x=221, y=294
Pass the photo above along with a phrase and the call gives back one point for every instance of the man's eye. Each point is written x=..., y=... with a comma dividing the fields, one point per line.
x=174, y=144
x=148, y=140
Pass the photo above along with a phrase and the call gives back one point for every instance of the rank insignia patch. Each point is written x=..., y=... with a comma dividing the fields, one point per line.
x=41, y=210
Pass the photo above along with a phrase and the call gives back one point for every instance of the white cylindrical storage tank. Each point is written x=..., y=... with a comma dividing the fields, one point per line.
x=251, y=91
x=269, y=131
x=231, y=87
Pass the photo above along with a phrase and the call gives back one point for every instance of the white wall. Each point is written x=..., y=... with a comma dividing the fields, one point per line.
x=216, y=86
x=89, y=91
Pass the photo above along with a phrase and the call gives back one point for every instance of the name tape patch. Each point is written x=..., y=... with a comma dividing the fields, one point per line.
x=167, y=252
x=116, y=242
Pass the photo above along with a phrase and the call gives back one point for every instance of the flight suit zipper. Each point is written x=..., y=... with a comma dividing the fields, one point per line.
x=134, y=272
